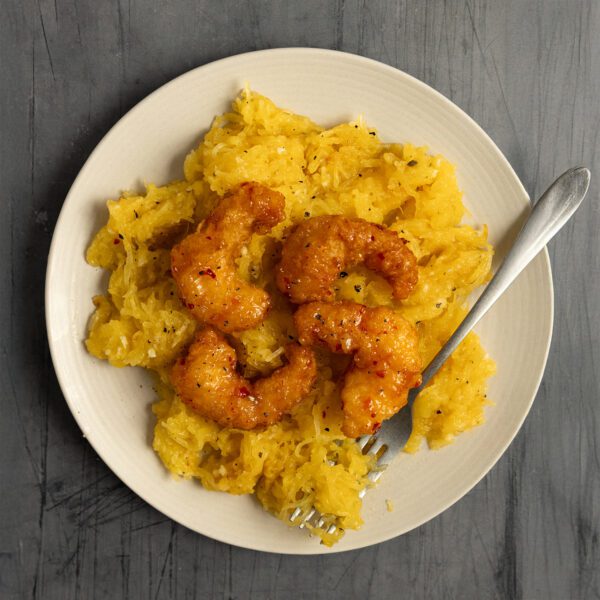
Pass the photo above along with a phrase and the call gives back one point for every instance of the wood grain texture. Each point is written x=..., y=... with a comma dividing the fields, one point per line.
x=527, y=70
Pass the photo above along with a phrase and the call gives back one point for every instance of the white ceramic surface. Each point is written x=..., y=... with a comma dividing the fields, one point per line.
x=112, y=405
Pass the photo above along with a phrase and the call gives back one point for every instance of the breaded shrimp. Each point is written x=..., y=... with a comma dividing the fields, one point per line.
x=207, y=380
x=319, y=249
x=386, y=358
x=203, y=264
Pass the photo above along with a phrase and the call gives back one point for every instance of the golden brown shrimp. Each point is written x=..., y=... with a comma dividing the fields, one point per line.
x=203, y=263
x=319, y=249
x=386, y=358
x=207, y=380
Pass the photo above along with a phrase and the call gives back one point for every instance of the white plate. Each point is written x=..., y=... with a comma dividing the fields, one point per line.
x=148, y=145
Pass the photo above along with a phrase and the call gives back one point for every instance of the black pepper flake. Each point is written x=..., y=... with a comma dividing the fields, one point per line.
x=372, y=133
x=136, y=215
x=306, y=213
x=121, y=237
x=343, y=274
x=438, y=304
x=326, y=428
x=165, y=329
x=438, y=412
x=412, y=163
x=357, y=288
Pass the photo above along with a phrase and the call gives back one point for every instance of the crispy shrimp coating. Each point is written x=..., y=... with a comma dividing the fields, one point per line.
x=207, y=380
x=203, y=264
x=386, y=358
x=322, y=247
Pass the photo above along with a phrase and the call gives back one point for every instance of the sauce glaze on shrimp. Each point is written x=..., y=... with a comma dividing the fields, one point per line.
x=386, y=358
x=203, y=264
x=207, y=380
x=320, y=248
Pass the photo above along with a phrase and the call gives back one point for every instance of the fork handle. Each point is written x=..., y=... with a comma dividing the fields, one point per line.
x=550, y=213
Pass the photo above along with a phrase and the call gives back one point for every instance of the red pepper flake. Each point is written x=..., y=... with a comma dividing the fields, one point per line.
x=116, y=241
x=190, y=306
x=380, y=374
x=182, y=361
x=380, y=255
x=373, y=415
x=376, y=427
x=323, y=414
x=244, y=391
x=338, y=347
x=210, y=273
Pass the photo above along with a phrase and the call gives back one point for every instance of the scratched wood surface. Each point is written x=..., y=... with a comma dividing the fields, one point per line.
x=527, y=70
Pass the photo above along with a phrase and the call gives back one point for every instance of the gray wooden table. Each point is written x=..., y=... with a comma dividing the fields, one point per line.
x=527, y=70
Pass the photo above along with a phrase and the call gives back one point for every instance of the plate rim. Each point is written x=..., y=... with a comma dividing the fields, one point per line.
x=52, y=266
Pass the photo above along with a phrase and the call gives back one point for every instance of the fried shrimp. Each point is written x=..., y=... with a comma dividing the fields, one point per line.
x=319, y=249
x=203, y=264
x=207, y=380
x=386, y=358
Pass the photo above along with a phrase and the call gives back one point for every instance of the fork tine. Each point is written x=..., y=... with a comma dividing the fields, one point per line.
x=376, y=447
x=308, y=516
x=363, y=441
x=295, y=514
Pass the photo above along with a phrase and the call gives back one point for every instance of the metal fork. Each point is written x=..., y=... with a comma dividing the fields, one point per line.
x=550, y=213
